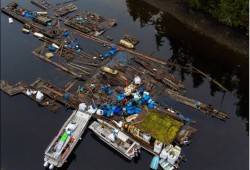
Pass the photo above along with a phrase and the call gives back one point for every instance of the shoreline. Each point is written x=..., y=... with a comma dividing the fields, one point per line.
x=205, y=25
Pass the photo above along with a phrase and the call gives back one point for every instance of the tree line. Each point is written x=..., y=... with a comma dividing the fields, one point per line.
x=230, y=12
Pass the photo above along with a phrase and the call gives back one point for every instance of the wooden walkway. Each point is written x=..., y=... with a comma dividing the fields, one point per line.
x=56, y=93
x=11, y=90
x=21, y=88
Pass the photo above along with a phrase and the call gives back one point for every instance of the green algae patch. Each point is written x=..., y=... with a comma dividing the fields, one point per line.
x=160, y=126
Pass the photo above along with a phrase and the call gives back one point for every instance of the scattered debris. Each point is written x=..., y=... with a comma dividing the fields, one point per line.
x=65, y=10
x=129, y=41
x=43, y=4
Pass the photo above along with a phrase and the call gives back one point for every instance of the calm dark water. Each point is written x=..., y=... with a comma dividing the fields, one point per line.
x=27, y=129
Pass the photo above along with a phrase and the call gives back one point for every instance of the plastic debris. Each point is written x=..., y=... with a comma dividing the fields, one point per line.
x=65, y=34
x=10, y=20
x=137, y=80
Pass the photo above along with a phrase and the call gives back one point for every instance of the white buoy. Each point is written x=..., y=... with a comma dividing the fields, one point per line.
x=46, y=164
x=99, y=112
x=51, y=166
x=10, y=20
x=137, y=80
x=39, y=35
x=54, y=45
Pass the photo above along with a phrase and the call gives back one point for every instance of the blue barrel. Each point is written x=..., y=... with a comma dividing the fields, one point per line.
x=110, y=91
x=112, y=52
x=66, y=96
x=141, y=90
x=106, y=55
x=108, y=106
x=105, y=87
x=51, y=48
x=113, y=48
x=117, y=110
x=65, y=34
x=137, y=110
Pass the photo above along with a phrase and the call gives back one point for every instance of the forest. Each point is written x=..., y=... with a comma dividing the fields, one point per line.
x=230, y=12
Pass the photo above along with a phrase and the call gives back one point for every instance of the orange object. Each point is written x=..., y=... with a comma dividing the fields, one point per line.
x=72, y=140
x=125, y=83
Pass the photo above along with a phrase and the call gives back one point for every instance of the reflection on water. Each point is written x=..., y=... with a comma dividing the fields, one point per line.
x=189, y=47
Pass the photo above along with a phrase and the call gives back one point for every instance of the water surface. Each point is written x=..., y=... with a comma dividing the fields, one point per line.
x=27, y=129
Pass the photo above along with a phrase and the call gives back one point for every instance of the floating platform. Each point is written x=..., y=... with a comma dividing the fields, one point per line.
x=208, y=109
x=90, y=23
x=21, y=88
x=43, y=4
x=11, y=90
x=10, y=10
x=65, y=10
x=56, y=93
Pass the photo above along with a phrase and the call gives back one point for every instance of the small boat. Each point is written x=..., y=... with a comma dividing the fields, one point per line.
x=67, y=138
x=155, y=163
x=116, y=139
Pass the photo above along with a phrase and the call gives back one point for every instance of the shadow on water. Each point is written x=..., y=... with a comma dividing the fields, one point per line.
x=108, y=147
x=192, y=48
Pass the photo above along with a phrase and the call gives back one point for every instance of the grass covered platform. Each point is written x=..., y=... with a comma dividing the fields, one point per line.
x=160, y=126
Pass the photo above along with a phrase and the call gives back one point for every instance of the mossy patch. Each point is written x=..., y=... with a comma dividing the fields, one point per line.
x=160, y=126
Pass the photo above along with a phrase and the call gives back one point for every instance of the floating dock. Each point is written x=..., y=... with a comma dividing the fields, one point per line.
x=10, y=10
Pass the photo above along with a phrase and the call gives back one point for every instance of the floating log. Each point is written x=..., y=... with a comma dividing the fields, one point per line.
x=211, y=79
x=122, y=48
x=69, y=85
x=208, y=109
x=166, y=78
x=11, y=90
x=58, y=65
x=78, y=68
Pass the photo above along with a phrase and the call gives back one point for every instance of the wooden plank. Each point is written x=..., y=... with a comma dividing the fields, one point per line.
x=122, y=48
x=69, y=85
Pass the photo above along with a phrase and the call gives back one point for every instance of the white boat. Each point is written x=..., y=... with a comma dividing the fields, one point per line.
x=68, y=136
x=116, y=139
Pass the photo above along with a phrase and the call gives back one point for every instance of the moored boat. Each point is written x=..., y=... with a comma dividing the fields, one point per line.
x=116, y=139
x=68, y=136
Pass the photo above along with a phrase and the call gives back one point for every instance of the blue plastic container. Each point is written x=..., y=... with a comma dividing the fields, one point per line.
x=65, y=34
x=66, y=96
x=113, y=48
x=105, y=87
x=51, y=48
x=110, y=91
x=117, y=110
